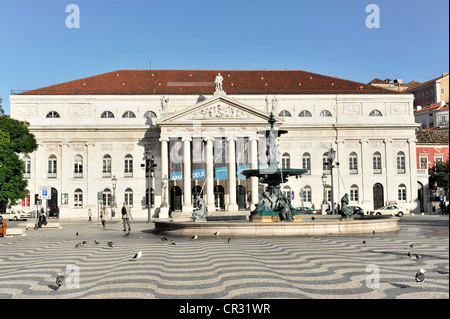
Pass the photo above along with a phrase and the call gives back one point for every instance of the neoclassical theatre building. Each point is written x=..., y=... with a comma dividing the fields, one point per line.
x=201, y=127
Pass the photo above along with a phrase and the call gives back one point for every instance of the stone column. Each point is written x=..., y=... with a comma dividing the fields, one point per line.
x=254, y=165
x=187, y=198
x=390, y=163
x=164, y=211
x=232, y=205
x=366, y=171
x=92, y=168
x=210, y=175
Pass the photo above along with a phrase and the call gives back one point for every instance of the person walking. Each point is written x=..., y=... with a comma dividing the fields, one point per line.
x=90, y=214
x=126, y=212
x=104, y=215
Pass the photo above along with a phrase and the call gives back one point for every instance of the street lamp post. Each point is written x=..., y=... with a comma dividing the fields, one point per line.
x=331, y=157
x=114, y=204
x=324, y=202
x=150, y=168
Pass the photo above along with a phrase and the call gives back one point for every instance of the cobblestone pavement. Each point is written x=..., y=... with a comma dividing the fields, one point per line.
x=211, y=267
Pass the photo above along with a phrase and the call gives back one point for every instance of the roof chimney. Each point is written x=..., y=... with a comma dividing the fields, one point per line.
x=444, y=74
x=398, y=81
x=419, y=107
x=442, y=103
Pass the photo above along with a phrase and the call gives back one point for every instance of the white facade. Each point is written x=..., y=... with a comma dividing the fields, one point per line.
x=358, y=126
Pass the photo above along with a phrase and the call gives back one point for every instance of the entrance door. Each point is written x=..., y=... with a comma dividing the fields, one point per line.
x=219, y=197
x=241, y=197
x=378, y=197
x=420, y=196
x=175, y=198
x=53, y=202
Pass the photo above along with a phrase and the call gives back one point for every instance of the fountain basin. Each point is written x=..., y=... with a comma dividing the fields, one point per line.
x=328, y=226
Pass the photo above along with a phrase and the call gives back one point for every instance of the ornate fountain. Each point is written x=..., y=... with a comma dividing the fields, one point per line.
x=273, y=205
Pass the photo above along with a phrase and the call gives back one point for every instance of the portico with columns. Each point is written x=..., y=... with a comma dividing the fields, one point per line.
x=218, y=119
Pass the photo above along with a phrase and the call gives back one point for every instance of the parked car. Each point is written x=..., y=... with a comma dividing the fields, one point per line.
x=393, y=210
x=16, y=215
x=357, y=210
x=307, y=210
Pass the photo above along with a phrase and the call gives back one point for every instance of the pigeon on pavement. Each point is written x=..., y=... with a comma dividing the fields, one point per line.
x=60, y=280
x=420, y=276
x=110, y=244
x=194, y=237
x=137, y=256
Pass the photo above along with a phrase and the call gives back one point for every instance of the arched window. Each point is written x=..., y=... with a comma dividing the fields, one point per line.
x=78, y=198
x=306, y=162
x=401, y=166
x=304, y=113
x=128, y=115
x=107, y=197
x=354, y=193
x=325, y=113
x=306, y=194
x=285, y=113
x=128, y=197
x=52, y=115
x=52, y=164
x=26, y=166
x=78, y=166
x=375, y=113
x=106, y=172
x=107, y=115
x=150, y=115
x=128, y=166
x=353, y=163
x=402, y=192
x=376, y=163
x=286, y=160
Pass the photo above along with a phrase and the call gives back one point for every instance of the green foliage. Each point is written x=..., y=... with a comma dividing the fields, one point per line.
x=2, y=112
x=15, y=139
x=440, y=174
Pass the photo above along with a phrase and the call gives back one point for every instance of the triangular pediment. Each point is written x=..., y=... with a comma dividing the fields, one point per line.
x=218, y=110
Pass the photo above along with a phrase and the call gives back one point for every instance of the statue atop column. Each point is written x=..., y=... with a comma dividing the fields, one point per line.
x=218, y=82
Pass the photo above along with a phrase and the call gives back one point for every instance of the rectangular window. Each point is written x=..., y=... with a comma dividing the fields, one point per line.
x=354, y=195
x=78, y=200
x=306, y=195
x=423, y=162
x=306, y=164
x=376, y=164
x=353, y=165
x=402, y=194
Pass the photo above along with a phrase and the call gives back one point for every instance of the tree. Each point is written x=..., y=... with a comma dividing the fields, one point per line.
x=2, y=112
x=15, y=138
x=439, y=174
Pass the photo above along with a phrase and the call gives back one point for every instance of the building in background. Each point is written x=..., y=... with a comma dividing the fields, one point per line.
x=202, y=128
x=430, y=92
x=432, y=147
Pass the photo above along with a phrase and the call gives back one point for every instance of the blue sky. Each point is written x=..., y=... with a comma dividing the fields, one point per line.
x=327, y=37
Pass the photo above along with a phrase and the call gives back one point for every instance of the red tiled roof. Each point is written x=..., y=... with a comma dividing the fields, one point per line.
x=436, y=106
x=144, y=82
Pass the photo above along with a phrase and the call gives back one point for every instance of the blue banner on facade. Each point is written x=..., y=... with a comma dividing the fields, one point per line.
x=240, y=168
x=198, y=174
x=176, y=176
x=221, y=173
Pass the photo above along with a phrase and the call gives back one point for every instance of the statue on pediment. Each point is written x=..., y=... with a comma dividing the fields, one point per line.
x=218, y=82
